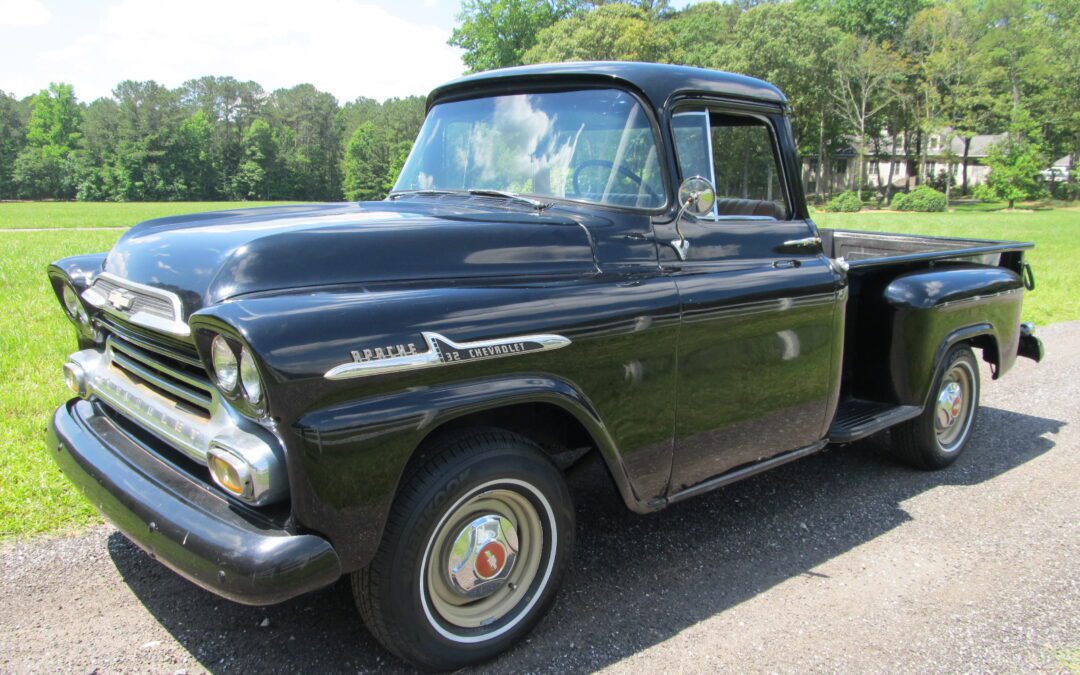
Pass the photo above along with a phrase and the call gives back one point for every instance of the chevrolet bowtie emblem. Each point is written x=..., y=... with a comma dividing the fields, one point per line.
x=121, y=299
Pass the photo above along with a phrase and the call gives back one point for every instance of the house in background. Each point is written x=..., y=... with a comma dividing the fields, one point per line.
x=968, y=164
x=1060, y=170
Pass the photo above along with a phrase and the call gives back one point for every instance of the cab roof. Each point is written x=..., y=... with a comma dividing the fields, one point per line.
x=657, y=81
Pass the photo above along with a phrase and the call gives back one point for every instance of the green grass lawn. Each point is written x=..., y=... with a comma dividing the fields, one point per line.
x=23, y=215
x=1055, y=260
x=35, y=338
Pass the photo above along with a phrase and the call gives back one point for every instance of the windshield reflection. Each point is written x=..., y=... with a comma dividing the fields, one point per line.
x=591, y=145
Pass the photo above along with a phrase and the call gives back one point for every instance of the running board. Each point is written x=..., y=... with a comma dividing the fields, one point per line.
x=857, y=418
x=737, y=474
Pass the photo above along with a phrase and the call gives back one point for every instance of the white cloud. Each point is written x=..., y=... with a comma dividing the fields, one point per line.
x=23, y=13
x=342, y=46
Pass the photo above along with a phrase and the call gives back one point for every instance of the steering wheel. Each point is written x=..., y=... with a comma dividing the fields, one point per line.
x=638, y=180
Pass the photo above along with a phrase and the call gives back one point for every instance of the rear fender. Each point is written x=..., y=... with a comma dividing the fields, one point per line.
x=933, y=310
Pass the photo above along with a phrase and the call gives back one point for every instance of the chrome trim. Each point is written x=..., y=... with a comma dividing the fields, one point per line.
x=124, y=359
x=805, y=242
x=142, y=343
x=444, y=351
x=192, y=432
x=467, y=570
x=175, y=326
x=265, y=479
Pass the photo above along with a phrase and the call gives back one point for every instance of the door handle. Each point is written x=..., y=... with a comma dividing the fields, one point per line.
x=785, y=264
x=805, y=242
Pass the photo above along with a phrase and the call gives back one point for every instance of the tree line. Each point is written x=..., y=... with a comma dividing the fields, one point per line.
x=859, y=74
x=211, y=138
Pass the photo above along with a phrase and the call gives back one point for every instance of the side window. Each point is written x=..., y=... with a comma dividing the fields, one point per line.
x=737, y=154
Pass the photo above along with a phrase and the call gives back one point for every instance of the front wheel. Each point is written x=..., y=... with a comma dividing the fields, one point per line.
x=473, y=551
x=935, y=438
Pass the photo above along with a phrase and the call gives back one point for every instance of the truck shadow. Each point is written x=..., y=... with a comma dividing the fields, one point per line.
x=637, y=580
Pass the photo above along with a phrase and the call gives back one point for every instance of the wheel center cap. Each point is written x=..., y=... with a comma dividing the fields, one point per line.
x=490, y=560
x=481, y=557
x=950, y=403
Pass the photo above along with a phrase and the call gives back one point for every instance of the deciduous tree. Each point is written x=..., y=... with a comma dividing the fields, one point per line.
x=497, y=33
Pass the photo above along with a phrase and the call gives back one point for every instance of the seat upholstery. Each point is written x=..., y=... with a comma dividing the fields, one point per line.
x=749, y=207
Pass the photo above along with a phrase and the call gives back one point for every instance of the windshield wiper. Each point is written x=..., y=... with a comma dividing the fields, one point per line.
x=403, y=193
x=478, y=192
x=535, y=203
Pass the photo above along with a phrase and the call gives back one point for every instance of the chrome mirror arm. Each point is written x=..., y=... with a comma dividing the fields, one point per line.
x=682, y=244
x=696, y=192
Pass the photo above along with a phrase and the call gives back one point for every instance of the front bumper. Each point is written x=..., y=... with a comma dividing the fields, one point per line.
x=181, y=522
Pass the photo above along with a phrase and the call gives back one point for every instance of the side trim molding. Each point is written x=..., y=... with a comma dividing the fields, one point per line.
x=443, y=351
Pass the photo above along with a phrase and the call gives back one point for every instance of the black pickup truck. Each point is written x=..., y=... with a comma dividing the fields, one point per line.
x=608, y=260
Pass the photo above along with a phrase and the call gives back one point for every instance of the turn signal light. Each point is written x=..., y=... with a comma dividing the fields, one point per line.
x=230, y=472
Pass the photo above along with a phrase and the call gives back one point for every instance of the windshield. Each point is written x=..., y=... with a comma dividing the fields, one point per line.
x=592, y=145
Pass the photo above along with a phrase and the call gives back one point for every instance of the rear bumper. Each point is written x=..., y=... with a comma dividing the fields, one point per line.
x=180, y=522
x=1030, y=347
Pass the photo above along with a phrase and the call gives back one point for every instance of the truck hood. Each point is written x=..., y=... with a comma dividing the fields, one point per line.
x=206, y=258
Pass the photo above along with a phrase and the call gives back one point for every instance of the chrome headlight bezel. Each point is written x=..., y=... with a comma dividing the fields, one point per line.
x=245, y=392
x=251, y=385
x=73, y=305
x=225, y=365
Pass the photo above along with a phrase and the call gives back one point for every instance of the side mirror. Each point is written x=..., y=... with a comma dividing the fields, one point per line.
x=696, y=195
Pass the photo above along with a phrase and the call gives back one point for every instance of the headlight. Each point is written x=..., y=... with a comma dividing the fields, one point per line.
x=249, y=377
x=74, y=307
x=226, y=369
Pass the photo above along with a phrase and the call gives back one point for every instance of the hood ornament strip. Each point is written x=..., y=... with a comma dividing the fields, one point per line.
x=441, y=351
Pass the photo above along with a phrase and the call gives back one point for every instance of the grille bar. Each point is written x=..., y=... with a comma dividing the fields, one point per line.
x=121, y=359
x=150, y=364
x=182, y=352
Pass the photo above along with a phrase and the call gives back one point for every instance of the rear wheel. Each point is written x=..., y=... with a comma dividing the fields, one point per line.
x=472, y=555
x=935, y=438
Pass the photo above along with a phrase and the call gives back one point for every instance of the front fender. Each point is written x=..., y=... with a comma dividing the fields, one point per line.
x=349, y=440
x=354, y=454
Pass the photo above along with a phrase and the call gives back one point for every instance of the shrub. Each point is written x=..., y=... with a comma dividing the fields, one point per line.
x=942, y=180
x=845, y=202
x=922, y=198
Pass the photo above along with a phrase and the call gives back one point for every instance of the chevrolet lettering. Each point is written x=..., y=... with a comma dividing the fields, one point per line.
x=586, y=262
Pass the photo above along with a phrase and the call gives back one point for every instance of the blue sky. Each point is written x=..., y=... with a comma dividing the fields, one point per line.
x=347, y=47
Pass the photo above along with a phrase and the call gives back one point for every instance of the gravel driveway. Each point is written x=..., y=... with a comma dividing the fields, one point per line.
x=843, y=561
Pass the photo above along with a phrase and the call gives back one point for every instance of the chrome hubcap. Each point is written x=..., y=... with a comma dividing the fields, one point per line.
x=954, y=406
x=482, y=556
x=949, y=404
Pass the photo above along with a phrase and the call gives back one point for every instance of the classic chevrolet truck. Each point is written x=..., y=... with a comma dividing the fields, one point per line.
x=607, y=260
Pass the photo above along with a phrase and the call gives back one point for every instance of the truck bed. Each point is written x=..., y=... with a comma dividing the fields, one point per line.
x=868, y=249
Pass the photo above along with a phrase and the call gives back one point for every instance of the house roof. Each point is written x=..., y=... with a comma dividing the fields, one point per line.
x=980, y=144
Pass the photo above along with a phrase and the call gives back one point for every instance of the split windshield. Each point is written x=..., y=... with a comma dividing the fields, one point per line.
x=592, y=145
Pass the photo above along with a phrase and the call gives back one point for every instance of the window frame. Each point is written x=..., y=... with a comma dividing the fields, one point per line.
x=707, y=108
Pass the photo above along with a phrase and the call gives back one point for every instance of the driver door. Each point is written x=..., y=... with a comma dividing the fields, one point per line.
x=761, y=319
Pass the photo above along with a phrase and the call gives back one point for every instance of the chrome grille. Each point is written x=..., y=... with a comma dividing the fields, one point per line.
x=146, y=306
x=172, y=374
x=140, y=300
